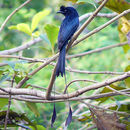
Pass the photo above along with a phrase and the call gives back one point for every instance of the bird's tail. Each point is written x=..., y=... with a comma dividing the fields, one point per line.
x=60, y=69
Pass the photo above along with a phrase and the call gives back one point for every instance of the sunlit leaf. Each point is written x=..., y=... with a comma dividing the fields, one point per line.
x=87, y=1
x=36, y=19
x=36, y=34
x=23, y=27
x=124, y=28
x=119, y=6
x=33, y=108
x=12, y=27
x=84, y=118
x=73, y=1
x=52, y=33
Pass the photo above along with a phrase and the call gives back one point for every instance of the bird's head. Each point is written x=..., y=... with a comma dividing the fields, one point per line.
x=67, y=11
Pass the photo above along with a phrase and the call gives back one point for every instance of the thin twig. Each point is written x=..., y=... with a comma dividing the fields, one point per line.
x=122, y=93
x=94, y=72
x=101, y=27
x=96, y=50
x=9, y=104
x=77, y=80
x=20, y=48
x=35, y=71
x=108, y=15
x=16, y=10
x=103, y=107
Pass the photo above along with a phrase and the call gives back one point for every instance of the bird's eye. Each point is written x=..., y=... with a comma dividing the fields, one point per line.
x=65, y=10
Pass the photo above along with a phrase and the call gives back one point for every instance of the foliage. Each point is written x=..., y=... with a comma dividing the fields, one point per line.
x=39, y=20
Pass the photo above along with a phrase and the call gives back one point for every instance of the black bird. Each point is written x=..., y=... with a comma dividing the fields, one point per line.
x=68, y=27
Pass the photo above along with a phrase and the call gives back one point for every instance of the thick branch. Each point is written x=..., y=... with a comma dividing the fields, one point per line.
x=94, y=86
x=41, y=100
x=79, y=92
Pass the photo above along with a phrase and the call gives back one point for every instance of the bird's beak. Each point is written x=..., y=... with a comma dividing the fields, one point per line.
x=60, y=12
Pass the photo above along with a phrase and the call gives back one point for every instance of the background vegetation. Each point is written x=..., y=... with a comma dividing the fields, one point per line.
x=38, y=19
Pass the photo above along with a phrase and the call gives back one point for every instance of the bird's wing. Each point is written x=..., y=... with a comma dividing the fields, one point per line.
x=67, y=30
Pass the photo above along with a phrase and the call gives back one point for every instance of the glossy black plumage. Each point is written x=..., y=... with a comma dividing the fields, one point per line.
x=68, y=27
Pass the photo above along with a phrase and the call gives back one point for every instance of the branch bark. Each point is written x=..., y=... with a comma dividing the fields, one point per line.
x=77, y=93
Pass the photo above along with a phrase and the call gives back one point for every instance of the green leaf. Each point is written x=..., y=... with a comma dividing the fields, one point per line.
x=1, y=71
x=12, y=27
x=44, y=37
x=92, y=2
x=3, y=102
x=73, y=1
x=118, y=6
x=16, y=118
x=52, y=33
x=36, y=34
x=39, y=127
x=24, y=28
x=123, y=28
x=127, y=81
x=36, y=19
x=124, y=107
x=33, y=108
x=106, y=90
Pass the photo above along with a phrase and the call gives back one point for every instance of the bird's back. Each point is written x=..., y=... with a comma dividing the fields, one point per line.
x=67, y=29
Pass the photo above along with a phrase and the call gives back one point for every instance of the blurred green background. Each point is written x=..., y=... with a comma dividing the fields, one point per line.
x=110, y=60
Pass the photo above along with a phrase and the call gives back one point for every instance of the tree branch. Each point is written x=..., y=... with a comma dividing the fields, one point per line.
x=77, y=80
x=96, y=50
x=108, y=15
x=9, y=104
x=20, y=48
x=16, y=10
x=101, y=27
x=43, y=100
x=39, y=93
